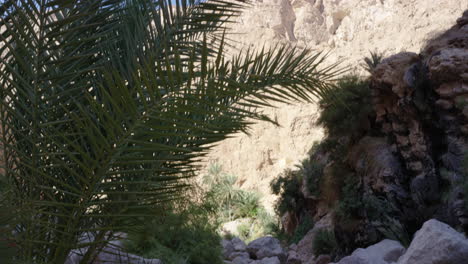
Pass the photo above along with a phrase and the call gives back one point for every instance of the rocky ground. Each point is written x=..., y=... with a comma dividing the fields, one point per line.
x=435, y=242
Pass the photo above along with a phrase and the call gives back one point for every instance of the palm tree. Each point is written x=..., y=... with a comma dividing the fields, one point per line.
x=107, y=105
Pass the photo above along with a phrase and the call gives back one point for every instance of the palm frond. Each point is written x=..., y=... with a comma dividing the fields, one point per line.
x=108, y=105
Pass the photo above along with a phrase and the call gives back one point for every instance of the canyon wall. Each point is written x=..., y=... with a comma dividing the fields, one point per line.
x=349, y=30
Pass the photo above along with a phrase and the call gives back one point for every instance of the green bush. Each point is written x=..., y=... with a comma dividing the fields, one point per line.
x=351, y=202
x=324, y=242
x=371, y=62
x=178, y=238
x=312, y=171
x=346, y=107
x=288, y=187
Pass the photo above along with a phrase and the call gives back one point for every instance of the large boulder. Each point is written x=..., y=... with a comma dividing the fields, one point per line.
x=436, y=243
x=384, y=252
x=238, y=244
x=265, y=247
x=305, y=246
x=228, y=248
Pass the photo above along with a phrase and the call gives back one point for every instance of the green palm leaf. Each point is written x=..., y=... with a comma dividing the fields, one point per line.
x=108, y=105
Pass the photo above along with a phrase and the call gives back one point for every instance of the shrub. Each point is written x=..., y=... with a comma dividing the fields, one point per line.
x=312, y=171
x=351, y=200
x=371, y=62
x=287, y=186
x=193, y=238
x=346, y=107
x=324, y=242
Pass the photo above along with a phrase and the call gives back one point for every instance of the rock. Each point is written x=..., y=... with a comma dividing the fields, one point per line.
x=436, y=242
x=383, y=252
x=293, y=258
x=238, y=244
x=323, y=259
x=228, y=248
x=305, y=246
x=242, y=259
x=265, y=247
x=271, y=260
x=237, y=254
x=289, y=222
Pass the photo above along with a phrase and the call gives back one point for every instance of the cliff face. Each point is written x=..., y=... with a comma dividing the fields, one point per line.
x=349, y=29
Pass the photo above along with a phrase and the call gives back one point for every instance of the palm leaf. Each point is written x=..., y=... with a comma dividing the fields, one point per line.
x=108, y=105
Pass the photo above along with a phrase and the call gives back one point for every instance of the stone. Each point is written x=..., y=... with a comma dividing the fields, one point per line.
x=241, y=260
x=271, y=260
x=238, y=244
x=436, y=242
x=237, y=254
x=323, y=259
x=305, y=246
x=228, y=248
x=293, y=258
x=444, y=104
x=265, y=247
x=384, y=252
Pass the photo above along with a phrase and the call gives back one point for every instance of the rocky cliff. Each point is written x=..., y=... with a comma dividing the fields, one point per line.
x=349, y=29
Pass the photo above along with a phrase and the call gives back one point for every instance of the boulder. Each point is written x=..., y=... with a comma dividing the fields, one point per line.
x=236, y=254
x=241, y=259
x=293, y=258
x=305, y=246
x=265, y=247
x=228, y=248
x=384, y=252
x=271, y=260
x=238, y=244
x=435, y=243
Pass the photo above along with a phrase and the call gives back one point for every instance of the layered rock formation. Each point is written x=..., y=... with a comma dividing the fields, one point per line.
x=410, y=164
x=349, y=29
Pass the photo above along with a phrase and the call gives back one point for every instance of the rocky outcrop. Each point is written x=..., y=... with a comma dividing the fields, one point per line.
x=384, y=252
x=436, y=242
x=420, y=102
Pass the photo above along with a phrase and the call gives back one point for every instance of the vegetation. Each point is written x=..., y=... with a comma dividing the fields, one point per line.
x=287, y=186
x=324, y=242
x=181, y=237
x=346, y=107
x=371, y=62
x=107, y=107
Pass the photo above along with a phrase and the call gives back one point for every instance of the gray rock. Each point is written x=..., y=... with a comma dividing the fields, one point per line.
x=238, y=244
x=381, y=253
x=293, y=258
x=265, y=247
x=272, y=260
x=238, y=254
x=436, y=242
x=241, y=260
x=228, y=248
